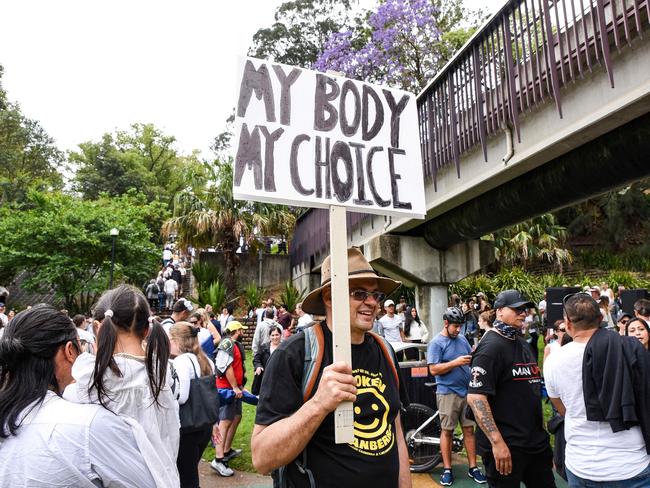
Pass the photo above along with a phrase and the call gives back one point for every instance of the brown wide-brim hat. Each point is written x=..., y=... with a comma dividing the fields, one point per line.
x=358, y=268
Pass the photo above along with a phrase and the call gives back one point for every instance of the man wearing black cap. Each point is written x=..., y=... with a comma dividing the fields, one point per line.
x=294, y=428
x=505, y=396
x=623, y=319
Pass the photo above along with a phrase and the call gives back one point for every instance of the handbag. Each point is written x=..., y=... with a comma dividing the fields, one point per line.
x=201, y=410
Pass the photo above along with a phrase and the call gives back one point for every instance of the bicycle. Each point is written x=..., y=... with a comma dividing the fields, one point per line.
x=421, y=425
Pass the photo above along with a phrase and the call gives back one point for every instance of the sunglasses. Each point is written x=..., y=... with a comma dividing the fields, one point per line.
x=194, y=321
x=566, y=298
x=625, y=321
x=519, y=310
x=562, y=330
x=362, y=295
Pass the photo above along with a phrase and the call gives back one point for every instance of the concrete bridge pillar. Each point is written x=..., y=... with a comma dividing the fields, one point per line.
x=415, y=263
x=431, y=302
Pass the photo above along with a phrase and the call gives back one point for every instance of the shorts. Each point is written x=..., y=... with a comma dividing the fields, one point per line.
x=451, y=408
x=230, y=410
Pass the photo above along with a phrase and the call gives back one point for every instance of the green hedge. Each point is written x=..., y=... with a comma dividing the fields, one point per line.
x=533, y=286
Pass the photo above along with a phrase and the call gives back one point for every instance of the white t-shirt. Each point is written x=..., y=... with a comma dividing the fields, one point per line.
x=260, y=314
x=167, y=255
x=593, y=451
x=304, y=320
x=65, y=444
x=130, y=397
x=391, y=327
x=171, y=286
x=415, y=333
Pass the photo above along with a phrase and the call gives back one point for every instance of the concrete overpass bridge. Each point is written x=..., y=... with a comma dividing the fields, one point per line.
x=548, y=104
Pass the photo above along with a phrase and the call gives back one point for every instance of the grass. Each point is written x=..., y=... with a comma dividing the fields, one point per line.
x=244, y=432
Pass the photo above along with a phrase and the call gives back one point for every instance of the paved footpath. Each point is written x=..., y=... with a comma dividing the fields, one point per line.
x=210, y=479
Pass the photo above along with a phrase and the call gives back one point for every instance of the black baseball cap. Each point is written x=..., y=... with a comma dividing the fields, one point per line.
x=512, y=299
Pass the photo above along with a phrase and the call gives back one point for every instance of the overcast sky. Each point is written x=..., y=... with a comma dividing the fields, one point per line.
x=85, y=67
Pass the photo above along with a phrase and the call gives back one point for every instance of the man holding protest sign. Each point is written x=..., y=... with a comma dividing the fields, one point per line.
x=294, y=431
x=339, y=144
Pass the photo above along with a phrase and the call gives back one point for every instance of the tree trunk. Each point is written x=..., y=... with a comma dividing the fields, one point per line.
x=232, y=263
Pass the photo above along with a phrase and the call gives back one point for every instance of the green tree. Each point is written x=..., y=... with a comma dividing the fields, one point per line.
x=28, y=155
x=300, y=29
x=63, y=243
x=613, y=221
x=540, y=238
x=142, y=158
x=206, y=215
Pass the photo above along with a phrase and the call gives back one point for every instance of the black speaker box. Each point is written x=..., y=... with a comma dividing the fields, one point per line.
x=554, y=297
x=629, y=297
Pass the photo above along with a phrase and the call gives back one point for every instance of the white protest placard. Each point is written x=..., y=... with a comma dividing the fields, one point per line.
x=312, y=139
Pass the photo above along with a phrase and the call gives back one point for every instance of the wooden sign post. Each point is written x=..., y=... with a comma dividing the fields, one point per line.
x=311, y=139
x=344, y=414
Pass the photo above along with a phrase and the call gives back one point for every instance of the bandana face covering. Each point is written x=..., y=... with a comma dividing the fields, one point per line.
x=507, y=330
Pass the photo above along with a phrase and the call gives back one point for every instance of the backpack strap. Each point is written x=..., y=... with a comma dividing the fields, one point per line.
x=314, y=345
x=388, y=354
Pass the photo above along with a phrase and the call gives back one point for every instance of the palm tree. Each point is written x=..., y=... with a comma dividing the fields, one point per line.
x=206, y=214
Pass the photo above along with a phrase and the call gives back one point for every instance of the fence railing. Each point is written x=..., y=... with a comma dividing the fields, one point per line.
x=519, y=59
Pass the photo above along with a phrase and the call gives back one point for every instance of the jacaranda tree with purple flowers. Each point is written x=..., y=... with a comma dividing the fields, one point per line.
x=406, y=42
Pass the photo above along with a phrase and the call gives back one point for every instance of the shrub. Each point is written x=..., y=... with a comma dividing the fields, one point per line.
x=290, y=296
x=252, y=296
x=205, y=274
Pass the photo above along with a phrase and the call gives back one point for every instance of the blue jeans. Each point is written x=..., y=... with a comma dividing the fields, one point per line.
x=641, y=480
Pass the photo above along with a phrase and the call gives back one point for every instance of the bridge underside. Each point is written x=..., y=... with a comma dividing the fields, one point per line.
x=610, y=161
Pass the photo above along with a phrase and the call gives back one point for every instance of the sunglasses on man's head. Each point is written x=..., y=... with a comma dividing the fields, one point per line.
x=579, y=318
x=566, y=297
x=362, y=295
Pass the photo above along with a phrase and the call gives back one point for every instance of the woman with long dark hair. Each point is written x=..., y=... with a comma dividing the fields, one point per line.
x=638, y=328
x=46, y=440
x=127, y=377
x=262, y=357
x=190, y=362
x=415, y=330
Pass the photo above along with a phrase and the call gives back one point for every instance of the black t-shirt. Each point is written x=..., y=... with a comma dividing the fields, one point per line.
x=372, y=460
x=506, y=372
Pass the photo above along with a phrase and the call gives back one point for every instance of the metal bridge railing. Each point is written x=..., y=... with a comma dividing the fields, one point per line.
x=519, y=59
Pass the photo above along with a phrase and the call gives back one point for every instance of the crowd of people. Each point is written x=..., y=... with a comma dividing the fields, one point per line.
x=110, y=399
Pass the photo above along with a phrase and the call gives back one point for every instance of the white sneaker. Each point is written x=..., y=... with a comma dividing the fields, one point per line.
x=221, y=468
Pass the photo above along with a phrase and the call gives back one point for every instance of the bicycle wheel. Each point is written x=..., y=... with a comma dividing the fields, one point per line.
x=422, y=457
